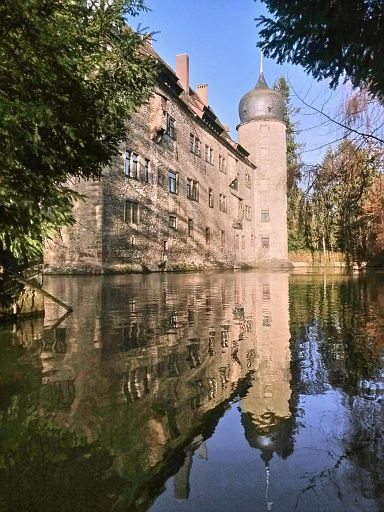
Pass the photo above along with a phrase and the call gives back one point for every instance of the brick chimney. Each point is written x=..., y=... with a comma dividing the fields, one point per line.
x=182, y=70
x=202, y=92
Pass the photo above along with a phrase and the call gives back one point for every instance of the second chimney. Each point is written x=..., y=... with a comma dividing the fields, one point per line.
x=202, y=92
x=182, y=70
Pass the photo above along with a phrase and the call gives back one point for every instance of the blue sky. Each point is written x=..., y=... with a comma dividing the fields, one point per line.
x=220, y=37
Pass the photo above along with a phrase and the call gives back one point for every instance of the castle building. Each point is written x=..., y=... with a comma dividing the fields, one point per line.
x=182, y=194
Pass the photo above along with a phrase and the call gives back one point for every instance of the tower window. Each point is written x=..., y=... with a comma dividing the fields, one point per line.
x=172, y=223
x=264, y=216
x=265, y=242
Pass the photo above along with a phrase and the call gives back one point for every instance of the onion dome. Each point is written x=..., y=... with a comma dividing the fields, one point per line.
x=261, y=103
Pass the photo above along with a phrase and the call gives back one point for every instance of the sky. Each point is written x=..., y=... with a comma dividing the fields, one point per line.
x=220, y=38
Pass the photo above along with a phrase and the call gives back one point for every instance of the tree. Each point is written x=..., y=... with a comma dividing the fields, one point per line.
x=339, y=39
x=72, y=73
x=296, y=236
x=338, y=214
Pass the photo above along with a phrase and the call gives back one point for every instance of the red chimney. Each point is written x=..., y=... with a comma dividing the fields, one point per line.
x=182, y=70
x=202, y=92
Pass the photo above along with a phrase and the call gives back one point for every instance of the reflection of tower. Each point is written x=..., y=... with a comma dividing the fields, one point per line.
x=262, y=133
x=266, y=416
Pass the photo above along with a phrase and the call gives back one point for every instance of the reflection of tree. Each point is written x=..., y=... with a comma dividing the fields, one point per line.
x=41, y=462
x=337, y=327
x=337, y=316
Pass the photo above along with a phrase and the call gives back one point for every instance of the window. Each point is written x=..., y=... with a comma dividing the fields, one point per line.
x=145, y=171
x=222, y=203
x=243, y=242
x=131, y=164
x=210, y=198
x=248, y=182
x=172, y=223
x=195, y=144
x=134, y=165
x=172, y=182
x=160, y=179
x=127, y=163
x=252, y=240
x=170, y=127
x=248, y=213
x=237, y=241
x=208, y=154
x=222, y=163
x=265, y=242
x=224, y=335
x=190, y=227
x=208, y=236
x=222, y=238
x=264, y=215
x=131, y=212
x=266, y=292
x=192, y=189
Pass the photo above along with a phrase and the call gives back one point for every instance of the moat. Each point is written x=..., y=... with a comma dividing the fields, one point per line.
x=236, y=391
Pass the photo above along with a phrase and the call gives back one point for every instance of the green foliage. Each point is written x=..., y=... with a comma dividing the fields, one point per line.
x=296, y=234
x=336, y=40
x=336, y=218
x=72, y=73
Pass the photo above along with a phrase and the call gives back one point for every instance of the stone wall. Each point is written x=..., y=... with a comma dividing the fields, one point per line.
x=79, y=249
x=152, y=243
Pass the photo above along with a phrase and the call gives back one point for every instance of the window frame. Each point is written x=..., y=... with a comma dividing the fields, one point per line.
x=223, y=207
x=211, y=198
x=171, y=224
x=195, y=144
x=265, y=242
x=173, y=180
x=132, y=212
x=265, y=216
x=208, y=235
x=145, y=170
x=171, y=128
x=190, y=228
x=192, y=190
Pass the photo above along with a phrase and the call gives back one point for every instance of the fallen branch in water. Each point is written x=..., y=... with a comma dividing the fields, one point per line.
x=39, y=289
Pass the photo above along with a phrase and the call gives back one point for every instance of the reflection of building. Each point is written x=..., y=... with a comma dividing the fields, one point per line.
x=265, y=408
x=181, y=193
x=166, y=350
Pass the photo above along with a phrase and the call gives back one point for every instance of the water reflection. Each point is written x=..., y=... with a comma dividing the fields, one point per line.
x=248, y=391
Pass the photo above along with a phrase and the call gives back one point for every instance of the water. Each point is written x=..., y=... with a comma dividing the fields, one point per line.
x=196, y=392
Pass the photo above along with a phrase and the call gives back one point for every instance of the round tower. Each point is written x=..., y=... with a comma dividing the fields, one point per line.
x=262, y=133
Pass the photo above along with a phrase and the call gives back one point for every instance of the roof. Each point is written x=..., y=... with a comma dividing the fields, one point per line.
x=192, y=102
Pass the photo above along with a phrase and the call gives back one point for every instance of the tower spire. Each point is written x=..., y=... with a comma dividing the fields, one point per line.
x=261, y=63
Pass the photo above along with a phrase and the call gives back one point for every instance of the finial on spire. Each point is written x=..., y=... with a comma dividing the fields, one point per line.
x=261, y=63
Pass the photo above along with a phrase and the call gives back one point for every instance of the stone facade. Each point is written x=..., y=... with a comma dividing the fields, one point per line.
x=181, y=194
